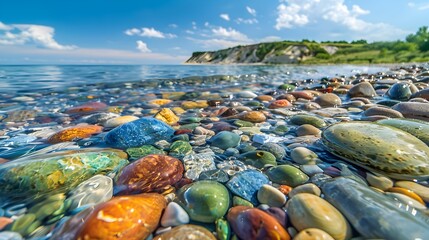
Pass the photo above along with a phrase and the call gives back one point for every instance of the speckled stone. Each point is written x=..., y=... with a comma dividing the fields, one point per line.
x=144, y=131
x=246, y=184
x=180, y=149
x=388, y=150
x=204, y=201
x=418, y=129
x=143, y=151
x=372, y=214
x=167, y=115
x=76, y=132
x=287, y=174
x=309, y=211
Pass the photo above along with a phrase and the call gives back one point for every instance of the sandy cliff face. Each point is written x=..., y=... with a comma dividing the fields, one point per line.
x=257, y=53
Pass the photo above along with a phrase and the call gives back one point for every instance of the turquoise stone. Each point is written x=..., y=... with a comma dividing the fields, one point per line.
x=246, y=184
x=204, y=201
x=144, y=131
x=225, y=140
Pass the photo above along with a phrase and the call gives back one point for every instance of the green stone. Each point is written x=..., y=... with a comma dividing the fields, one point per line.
x=223, y=229
x=258, y=159
x=379, y=148
x=190, y=126
x=288, y=175
x=242, y=123
x=204, y=201
x=417, y=128
x=59, y=171
x=52, y=206
x=143, y=151
x=238, y=201
x=180, y=149
x=287, y=87
x=281, y=130
x=308, y=119
x=25, y=224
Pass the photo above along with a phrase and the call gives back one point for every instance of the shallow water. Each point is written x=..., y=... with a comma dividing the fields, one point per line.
x=30, y=78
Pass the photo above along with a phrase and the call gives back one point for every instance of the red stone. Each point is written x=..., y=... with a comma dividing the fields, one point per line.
x=252, y=223
x=153, y=173
x=281, y=103
x=87, y=108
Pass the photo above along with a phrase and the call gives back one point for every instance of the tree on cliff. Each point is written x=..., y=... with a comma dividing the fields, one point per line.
x=421, y=38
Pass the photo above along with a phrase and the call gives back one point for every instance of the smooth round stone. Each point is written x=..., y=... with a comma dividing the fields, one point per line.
x=313, y=234
x=246, y=94
x=418, y=129
x=308, y=119
x=194, y=104
x=382, y=111
x=186, y=232
x=253, y=116
x=143, y=151
x=99, y=118
x=374, y=215
x=278, y=151
x=225, y=140
x=270, y=195
x=303, y=156
x=258, y=159
x=414, y=110
x=86, y=108
x=281, y=103
x=424, y=94
x=130, y=217
x=76, y=132
x=238, y=201
x=144, y=131
x=93, y=191
x=309, y=211
x=114, y=122
x=246, y=184
x=406, y=192
x=287, y=87
x=307, y=129
x=241, y=123
x=363, y=89
x=204, y=201
x=311, y=170
x=148, y=174
x=287, y=174
x=305, y=188
x=252, y=223
x=328, y=100
x=420, y=190
x=174, y=215
x=384, y=149
x=223, y=230
x=380, y=182
x=399, y=91
x=58, y=170
x=406, y=200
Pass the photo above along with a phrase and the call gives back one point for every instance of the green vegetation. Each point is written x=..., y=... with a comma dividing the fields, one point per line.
x=415, y=48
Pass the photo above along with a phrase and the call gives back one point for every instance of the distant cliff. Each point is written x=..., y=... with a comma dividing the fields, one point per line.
x=269, y=53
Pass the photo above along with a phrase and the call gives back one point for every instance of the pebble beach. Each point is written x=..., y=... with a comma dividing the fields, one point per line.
x=219, y=157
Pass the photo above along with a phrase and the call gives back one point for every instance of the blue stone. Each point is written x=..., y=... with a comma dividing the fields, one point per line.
x=246, y=184
x=144, y=131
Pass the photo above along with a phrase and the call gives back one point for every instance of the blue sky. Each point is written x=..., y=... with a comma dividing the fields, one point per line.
x=168, y=31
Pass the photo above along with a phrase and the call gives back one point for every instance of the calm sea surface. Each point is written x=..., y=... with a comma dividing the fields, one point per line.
x=33, y=78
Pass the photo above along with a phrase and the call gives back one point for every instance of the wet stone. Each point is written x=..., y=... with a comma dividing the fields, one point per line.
x=214, y=175
x=308, y=119
x=287, y=174
x=195, y=164
x=188, y=231
x=246, y=184
x=278, y=151
x=258, y=159
x=225, y=140
x=93, y=191
x=143, y=151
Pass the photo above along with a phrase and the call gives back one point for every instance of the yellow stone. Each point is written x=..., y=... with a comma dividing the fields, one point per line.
x=172, y=95
x=115, y=109
x=114, y=122
x=160, y=102
x=178, y=110
x=194, y=104
x=167, y=115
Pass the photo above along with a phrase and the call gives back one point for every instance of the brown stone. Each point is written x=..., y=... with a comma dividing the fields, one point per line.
x=87, y=108
x=72, y=133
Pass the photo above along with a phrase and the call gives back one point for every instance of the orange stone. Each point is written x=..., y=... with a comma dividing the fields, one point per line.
x=253, y=223
x=153, y=173
x=302, y=94
x=408, y=193
x=253, y=116
x=127, y=217
x=69, y=134
x=160, y=102
x=285, y=189
x=281, y=103
x=264, y=98
x=4, y=221
x=87, y=108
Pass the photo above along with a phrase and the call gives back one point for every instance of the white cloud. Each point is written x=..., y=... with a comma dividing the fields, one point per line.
x=194, y=25
x=246, y=21
x=20, y=34
x=297, y=13
x=229, y=34
x=142, y=47
x=189, y=32
x=224, y=16
x=250, y=10
x=270, y=39
x=173, y=25
x=148, y=32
